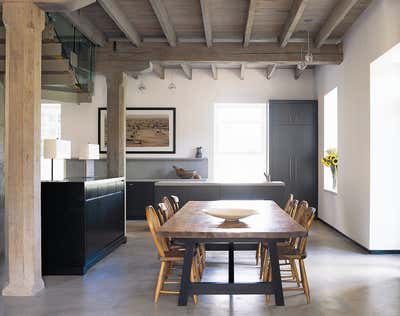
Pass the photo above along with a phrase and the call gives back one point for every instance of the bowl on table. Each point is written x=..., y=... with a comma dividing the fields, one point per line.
x=230, y=214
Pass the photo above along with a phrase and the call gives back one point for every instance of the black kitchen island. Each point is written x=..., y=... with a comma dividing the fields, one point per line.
x=83, y=220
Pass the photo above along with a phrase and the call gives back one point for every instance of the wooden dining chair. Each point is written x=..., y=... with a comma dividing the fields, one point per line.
x=290, y=208
x=295, y=251
x=287, y=207
x=175, y=203
x=166, y=207
x=168, y=257
x=287, y=266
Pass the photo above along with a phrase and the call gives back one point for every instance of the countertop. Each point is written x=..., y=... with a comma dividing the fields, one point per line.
x=84, y=179
x=191, y=182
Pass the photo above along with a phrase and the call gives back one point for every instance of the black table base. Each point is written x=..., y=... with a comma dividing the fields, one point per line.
x=189, y=288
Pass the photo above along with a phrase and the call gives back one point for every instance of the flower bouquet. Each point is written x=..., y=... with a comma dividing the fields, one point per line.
x=331, y=160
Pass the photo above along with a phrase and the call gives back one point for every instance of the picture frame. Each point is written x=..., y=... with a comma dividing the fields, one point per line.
x=149, y=130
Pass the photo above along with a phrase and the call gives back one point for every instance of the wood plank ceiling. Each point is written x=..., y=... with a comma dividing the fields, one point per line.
x=198, y=33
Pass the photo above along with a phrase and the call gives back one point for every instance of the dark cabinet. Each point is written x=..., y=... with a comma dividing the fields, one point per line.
x=82, y=221
x=139, y=194
x=293, y=147
x=213, y=192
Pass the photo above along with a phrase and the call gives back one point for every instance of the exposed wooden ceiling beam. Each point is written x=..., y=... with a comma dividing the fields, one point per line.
x=293, y=19
x=86, y=27
x=121, y=20
x=187, y=70
x=242, y=71
x=270, y=71
x=205, y=11
x=298, y=72
x=158, y=70
x=162, y=15
x=334, y=20
x=123, y=55
x=62, y=5
x=249, y=25
x=214, y=71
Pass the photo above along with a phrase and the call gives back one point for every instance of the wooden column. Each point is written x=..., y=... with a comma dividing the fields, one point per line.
x=116, y=124
x=24, y=24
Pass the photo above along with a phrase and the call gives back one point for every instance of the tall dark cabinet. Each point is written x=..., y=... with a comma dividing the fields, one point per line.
x=293, y=147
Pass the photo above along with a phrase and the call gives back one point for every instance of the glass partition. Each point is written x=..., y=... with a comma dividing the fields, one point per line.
x=77, y=49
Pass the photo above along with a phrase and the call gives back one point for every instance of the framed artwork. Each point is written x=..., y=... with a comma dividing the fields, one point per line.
x=148, y=130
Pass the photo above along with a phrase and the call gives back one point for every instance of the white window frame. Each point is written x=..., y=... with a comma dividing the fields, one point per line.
x=330, y=133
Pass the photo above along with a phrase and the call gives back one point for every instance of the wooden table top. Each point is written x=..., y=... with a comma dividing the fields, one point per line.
x=270, y=222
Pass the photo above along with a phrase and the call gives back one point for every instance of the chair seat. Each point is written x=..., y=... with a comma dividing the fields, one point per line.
x=173, y=255
x=289, y=252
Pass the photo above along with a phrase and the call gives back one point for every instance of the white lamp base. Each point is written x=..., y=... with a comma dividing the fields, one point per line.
x=89, y=168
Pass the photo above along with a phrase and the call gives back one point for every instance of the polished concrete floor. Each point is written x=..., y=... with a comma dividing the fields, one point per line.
x=343, y=280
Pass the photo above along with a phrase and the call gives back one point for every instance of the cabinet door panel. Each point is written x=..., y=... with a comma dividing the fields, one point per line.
x=293, y=147
x=138, y=196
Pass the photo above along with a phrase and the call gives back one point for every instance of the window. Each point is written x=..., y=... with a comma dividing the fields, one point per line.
x=240, y=142
x=330, y=134
x=51, y=129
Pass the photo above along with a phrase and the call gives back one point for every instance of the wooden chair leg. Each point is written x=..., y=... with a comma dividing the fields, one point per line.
x=264, y=262
x=160, y=281
x=304, y=280
x=295, y=274
x=258, y=253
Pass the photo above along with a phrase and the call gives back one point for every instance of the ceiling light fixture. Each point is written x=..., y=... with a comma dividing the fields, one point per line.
x=308, y=57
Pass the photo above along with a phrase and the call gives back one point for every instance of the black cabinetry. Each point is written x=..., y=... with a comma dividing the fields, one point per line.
x=293, y=147
x=139, y=194
x=82, y=221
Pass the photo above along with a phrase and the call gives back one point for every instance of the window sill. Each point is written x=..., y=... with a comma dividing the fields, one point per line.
x=334, y=192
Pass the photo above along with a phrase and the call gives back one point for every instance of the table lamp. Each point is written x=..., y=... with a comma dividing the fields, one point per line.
x=89, y=153
x=56, y=149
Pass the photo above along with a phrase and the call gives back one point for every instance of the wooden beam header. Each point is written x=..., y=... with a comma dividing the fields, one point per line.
x=123, y=56
x=86, y=27
x=162, y=15
x=249, y=24
x=121, y=20
x=334, y=19
x=295, y=15
x=206, y=14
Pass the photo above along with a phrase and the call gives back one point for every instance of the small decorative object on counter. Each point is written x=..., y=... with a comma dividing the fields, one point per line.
x=199, y=152
x=185, y=173
x=197, y=177
x=331, y=161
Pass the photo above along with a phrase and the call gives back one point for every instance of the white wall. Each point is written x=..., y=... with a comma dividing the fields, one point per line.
x=193, y=100
x=385, y=151
x=375, y=32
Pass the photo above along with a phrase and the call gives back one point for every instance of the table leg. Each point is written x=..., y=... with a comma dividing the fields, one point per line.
x=276, y=273
x=231, y=263
x=187, y=267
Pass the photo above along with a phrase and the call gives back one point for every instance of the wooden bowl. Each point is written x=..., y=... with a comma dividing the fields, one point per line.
x=230, y=214
x=185, y=173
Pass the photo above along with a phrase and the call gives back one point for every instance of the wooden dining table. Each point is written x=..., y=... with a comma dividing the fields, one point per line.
x=192, y=226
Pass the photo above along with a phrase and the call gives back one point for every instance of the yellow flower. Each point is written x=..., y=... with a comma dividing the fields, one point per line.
x=325, y=162
x=335, y=161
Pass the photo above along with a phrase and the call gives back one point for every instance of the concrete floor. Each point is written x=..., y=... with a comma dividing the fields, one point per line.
x=343, y=281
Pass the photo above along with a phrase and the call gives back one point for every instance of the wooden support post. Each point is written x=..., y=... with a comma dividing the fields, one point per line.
x=24, y=23
x=116, y=124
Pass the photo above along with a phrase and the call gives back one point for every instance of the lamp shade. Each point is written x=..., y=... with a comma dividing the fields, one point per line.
x=89, y=152
x=57, y=149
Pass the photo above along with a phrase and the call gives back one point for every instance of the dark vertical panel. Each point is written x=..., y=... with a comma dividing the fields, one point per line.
x=294, y=146
x=2, y=121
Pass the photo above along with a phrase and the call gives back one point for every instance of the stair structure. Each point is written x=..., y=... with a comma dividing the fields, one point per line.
x=59, y=76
